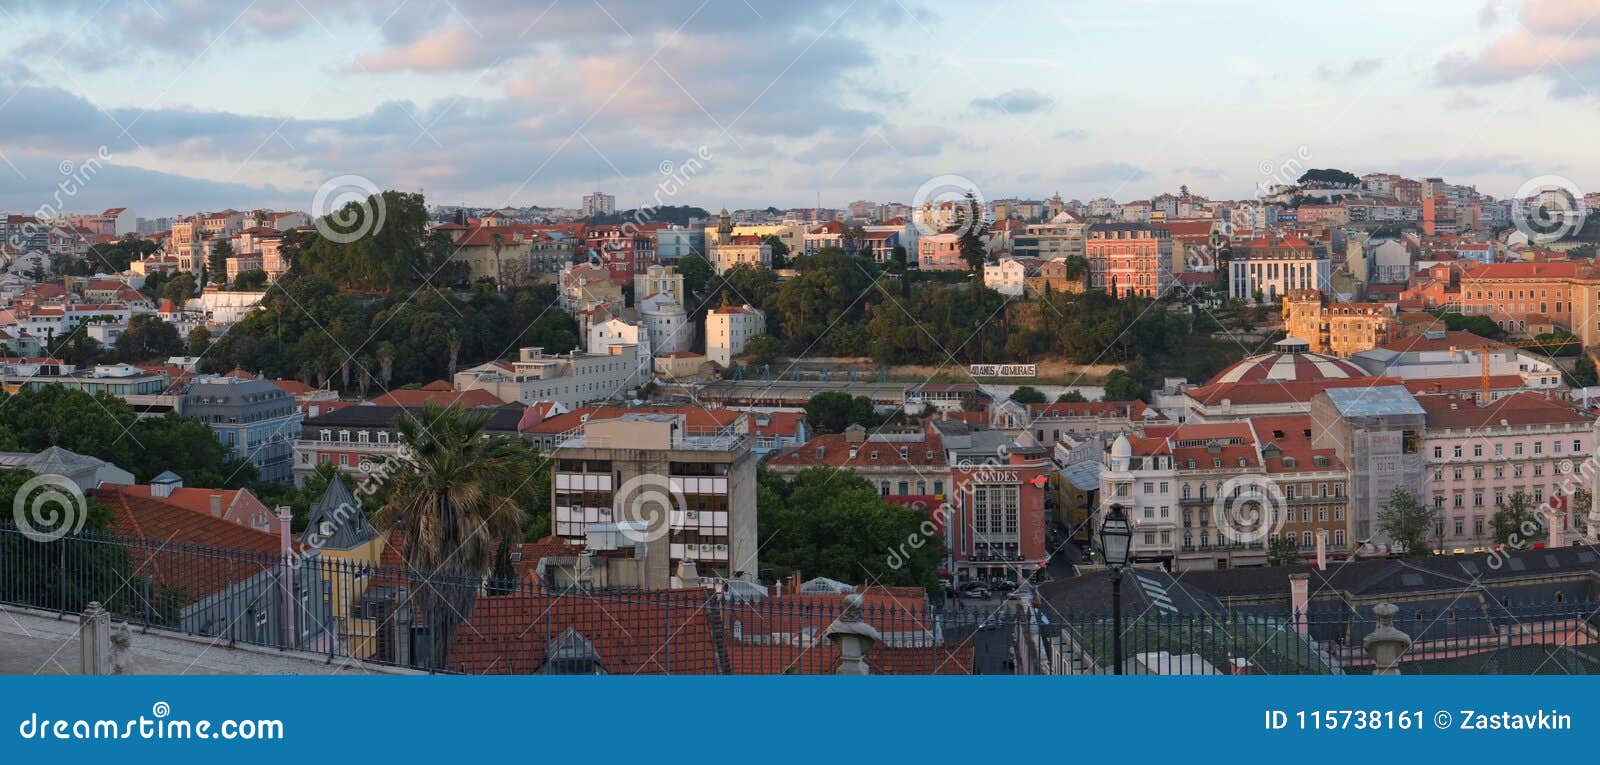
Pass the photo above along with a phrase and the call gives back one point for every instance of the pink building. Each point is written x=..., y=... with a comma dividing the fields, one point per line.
x=1479, y=456
x=940, y=252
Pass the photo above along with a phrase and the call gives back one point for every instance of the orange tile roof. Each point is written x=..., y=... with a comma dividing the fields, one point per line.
x=1515, y=409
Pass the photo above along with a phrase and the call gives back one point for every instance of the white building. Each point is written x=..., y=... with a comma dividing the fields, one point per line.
x=571, y=379
x=614, y=332
x=225, y=307
x=668, y=323
x=1272, y=268
x=1008, y=277
x=728, y=329
x=598, y=203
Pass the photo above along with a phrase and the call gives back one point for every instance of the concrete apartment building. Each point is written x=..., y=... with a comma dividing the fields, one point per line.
x=599, y=203
x=255, y=419
x=681, y=497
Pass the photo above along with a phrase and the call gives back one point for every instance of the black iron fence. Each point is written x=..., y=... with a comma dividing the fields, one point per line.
x=1471, y=638
x=348, y=606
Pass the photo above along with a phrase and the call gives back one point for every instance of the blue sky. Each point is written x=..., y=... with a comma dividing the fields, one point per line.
x=211, y=104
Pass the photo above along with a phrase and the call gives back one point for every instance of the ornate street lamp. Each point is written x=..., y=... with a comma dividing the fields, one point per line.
x=1116, y=535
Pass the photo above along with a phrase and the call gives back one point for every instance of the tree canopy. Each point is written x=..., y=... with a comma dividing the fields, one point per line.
x=830, y=523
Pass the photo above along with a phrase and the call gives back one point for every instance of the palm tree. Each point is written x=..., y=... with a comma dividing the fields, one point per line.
x=449, y=499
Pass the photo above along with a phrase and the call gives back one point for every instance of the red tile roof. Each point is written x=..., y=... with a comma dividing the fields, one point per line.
x=1515, y=409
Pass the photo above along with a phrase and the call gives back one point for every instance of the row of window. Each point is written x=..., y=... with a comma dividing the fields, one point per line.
x=1516, y=449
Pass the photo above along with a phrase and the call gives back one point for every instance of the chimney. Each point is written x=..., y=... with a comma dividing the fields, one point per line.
x=688, y=573
x=1299, y=599
x=216, y=505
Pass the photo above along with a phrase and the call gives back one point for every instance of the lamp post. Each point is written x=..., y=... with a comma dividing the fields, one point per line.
x=1115, y=537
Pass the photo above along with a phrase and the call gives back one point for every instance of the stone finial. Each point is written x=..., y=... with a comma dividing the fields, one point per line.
x=122, y=650
x=854, y=637
x=1385, y=644
x=94, y=639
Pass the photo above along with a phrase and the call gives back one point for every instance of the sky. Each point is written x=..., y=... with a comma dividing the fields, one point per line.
x=177, y=106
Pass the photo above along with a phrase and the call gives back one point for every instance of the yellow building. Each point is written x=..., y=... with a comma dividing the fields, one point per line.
x=1338, y=329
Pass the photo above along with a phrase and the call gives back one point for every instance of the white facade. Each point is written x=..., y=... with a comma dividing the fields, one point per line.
x=1007, y=276
x=1276, y=277
x=667, y=324
x=225, y=307
x=605, y=334
x=728, y=329
x=570, y=379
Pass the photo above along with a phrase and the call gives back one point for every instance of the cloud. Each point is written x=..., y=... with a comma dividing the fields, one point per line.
x=914, y=141
x=1554, y=40
x=1354, y=70
x=1464, y=101
x=1459, y=165
x=1489, y=14
x=1095, y=172
x=1072, y=134
x=1200, y=173
x=1019, y=101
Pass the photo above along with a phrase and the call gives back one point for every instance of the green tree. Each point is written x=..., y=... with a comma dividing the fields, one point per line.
x=762, y=349
x=1077, y=267
x=1282, y=551
x=1408, y=523
x=1515, y=523
x=1583, y=372
x=446, y=502
x=697, y=274
x=899, y=259
x=199, y=340
x=832, y=523
x=217, y=261
x=1027, y=394
x=1071, y=397
x=779, y=251
x=971, y=243
x=1123, y=386
x=188, y=447
x=76, y=348
x=148, y=337
x=252, y=279
x=179, y=289
x=833, y=411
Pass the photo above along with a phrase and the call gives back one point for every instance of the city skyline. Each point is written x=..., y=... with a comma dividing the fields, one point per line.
x=492, y=104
